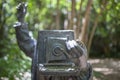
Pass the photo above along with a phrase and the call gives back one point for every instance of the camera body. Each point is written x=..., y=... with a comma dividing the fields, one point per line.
x=51, y=58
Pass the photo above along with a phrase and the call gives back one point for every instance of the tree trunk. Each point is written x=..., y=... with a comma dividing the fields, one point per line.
x=83, y=34
x=72, y=14
x=58, y=15
x=92, y=33
x=95, y=25
x=2, y=27
x=79, y=20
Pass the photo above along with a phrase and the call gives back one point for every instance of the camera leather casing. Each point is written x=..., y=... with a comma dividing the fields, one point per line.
x=51, y=52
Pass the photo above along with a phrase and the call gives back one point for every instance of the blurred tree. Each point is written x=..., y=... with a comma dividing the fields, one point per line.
x=83, y=34
x=57, y=15
x=12, y=61
x=104, y=34
x=95, y=21
x=3, y=28
x=102, y=8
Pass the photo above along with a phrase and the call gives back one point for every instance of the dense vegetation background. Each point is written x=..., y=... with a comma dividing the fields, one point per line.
x=96, y=23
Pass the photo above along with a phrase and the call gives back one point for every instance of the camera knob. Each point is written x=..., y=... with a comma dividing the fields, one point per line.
x=57, y=51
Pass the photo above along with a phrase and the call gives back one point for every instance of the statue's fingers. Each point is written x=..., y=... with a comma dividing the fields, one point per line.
x=71, y=48
x=74, y=48
x=77, y=49
x=69, y=44
x=25, y=6
x=74, y=53
x=18, y=6
x=21, y=6
x=83, y=47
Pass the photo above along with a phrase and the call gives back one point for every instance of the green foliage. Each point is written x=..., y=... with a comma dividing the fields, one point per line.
x=14, y=63
x=108, y=31
x=12, y=60
x=41, y=15
x=98, y=75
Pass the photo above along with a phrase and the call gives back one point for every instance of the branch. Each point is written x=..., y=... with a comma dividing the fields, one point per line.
x=85, y=24
x=95, y=25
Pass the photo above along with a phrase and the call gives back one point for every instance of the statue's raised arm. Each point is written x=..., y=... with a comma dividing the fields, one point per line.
x=78, y=55
x=24, y=38
x=21, y=11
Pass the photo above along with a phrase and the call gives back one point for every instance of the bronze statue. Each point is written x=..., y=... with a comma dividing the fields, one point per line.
x=28, y=45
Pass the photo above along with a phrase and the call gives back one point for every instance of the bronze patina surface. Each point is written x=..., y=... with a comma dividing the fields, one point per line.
x=55, y=54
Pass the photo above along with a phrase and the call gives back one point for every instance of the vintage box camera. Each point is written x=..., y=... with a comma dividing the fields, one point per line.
x=51, y=53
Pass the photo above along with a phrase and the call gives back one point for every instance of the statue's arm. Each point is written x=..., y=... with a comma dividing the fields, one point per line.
x=79, y=51
x=24, y=38
x=86, y=74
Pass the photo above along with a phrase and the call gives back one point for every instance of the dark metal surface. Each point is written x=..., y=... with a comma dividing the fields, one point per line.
x=51, y=50
x=50, y=56
x=47, y=44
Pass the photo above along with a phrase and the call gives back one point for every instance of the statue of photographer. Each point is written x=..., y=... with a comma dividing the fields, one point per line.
x=27, y=44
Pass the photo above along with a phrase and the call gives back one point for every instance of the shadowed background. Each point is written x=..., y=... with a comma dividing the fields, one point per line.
x=95, y=22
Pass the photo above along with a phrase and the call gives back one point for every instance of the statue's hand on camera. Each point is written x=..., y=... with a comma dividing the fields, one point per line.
x=77, y=53
x=21, y=11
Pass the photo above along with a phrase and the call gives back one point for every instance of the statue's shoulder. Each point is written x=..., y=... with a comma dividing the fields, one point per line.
x=81, y=43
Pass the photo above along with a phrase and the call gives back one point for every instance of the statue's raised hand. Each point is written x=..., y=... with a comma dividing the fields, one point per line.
x=77, y=53
x=21, y=11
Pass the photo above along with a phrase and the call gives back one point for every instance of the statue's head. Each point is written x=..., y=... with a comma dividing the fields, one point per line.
x=51, y=44
x=51, y=51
